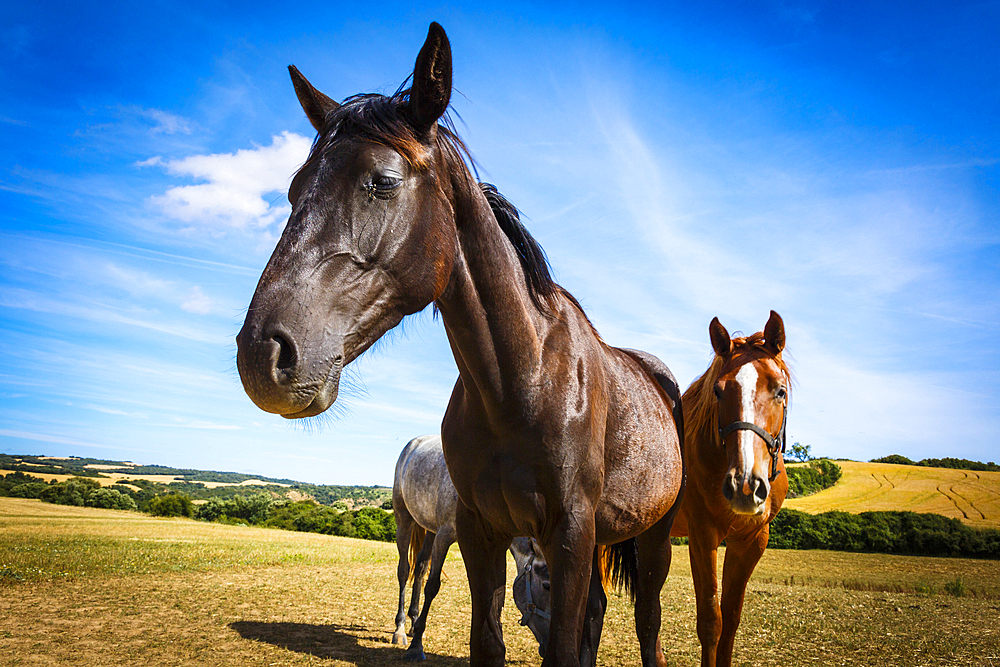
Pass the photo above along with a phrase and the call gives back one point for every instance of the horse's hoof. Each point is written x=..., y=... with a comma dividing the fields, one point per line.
x=399, y=638
x=414, y=656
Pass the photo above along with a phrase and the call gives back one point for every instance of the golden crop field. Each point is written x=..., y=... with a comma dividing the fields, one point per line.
x=973, y=497
x=99, y=587
x=111, y=477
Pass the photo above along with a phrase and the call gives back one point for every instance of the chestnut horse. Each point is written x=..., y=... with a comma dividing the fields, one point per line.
x=734, y=435
x=549, y=433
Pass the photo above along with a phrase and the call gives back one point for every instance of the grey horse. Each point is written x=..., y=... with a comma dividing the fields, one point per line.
x=423, y=503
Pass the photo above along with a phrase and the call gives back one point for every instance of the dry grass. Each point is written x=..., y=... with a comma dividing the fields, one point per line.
x=88, y=586
x=973, y=497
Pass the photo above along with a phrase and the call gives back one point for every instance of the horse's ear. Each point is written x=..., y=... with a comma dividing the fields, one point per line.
x=431, y=90
x=314, y=103
x=774, y=334
x=721, y=342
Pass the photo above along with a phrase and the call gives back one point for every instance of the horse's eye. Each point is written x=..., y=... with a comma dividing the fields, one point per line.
x=781, y=393
x=382, y=186
x=385, y=183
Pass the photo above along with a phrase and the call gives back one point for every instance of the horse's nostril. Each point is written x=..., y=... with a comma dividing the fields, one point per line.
x=286, y=353
x=728, y=487
x=761, y=490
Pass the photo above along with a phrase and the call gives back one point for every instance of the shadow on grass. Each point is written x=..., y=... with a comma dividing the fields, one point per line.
x=336, y=642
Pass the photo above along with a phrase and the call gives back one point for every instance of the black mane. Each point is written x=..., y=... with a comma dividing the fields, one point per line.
x=534, y=263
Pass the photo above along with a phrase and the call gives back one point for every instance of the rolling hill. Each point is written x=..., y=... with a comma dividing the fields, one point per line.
x=970, y=496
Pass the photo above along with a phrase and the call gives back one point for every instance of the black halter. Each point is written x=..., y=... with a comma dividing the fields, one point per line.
x=530, y=607
x=775, y=444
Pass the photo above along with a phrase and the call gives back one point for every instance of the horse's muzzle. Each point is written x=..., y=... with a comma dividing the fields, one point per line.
x=746, y=495
x=281, y=377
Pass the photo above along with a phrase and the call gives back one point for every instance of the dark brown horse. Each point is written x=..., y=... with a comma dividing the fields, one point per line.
x=735, y=432
x=550, y=433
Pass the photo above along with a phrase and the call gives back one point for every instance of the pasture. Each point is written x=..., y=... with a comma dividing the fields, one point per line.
x=86, y=586
x=970, y=496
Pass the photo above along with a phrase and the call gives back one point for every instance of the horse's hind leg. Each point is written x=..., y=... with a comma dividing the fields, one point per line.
x=653, y=553
x=405, y=525
x=419, y=571
x=593, y=624
x=442, y=541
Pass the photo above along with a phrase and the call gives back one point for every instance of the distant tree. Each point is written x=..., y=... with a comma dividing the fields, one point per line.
x=73, y=491
x=171, y=505
x=111, y=499
x=801, y=452
x=373, y=523
x=253, y=509
x=897, y=459
x=29, y=490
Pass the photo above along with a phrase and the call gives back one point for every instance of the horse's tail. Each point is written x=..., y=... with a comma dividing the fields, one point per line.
x=417, y=535
x=619, y=566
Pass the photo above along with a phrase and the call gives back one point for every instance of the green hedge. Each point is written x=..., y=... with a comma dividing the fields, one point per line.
x=815, y=476
x=883, y=532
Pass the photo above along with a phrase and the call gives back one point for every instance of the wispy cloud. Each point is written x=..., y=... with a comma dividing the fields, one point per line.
x=47, y=437
x=197, y=302
x=167, y=123
x=135, y=316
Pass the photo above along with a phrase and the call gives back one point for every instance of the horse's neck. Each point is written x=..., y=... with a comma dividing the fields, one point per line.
x=492, y=325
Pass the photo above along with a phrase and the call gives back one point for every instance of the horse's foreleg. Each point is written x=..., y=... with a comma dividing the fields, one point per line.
x=442, y=541
x=741, y=559
x=486, y=568
x=653, y=554
x=597, y=603
x=569, y=551
x=404, y=524
x=419, y=570
x=702, y=548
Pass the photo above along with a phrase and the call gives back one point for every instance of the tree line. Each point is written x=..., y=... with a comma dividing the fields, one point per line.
x=259, y=508
x=874, y=532
x=955, y=464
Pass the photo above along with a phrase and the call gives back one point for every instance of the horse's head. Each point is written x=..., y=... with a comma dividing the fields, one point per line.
x=371, y=238
x=531, y=591
x=752, y=395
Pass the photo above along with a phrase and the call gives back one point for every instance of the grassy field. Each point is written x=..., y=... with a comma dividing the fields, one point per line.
x=83, y=586
x=972, y=496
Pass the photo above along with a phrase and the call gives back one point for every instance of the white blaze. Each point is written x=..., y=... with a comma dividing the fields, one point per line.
x=746, y=378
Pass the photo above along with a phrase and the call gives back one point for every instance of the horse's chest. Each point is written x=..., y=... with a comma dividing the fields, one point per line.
x=515, y=488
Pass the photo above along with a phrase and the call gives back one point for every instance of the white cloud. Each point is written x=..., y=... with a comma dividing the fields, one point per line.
x=234, y=195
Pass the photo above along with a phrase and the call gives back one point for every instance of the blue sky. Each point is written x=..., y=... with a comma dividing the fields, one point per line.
x=835, y=162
